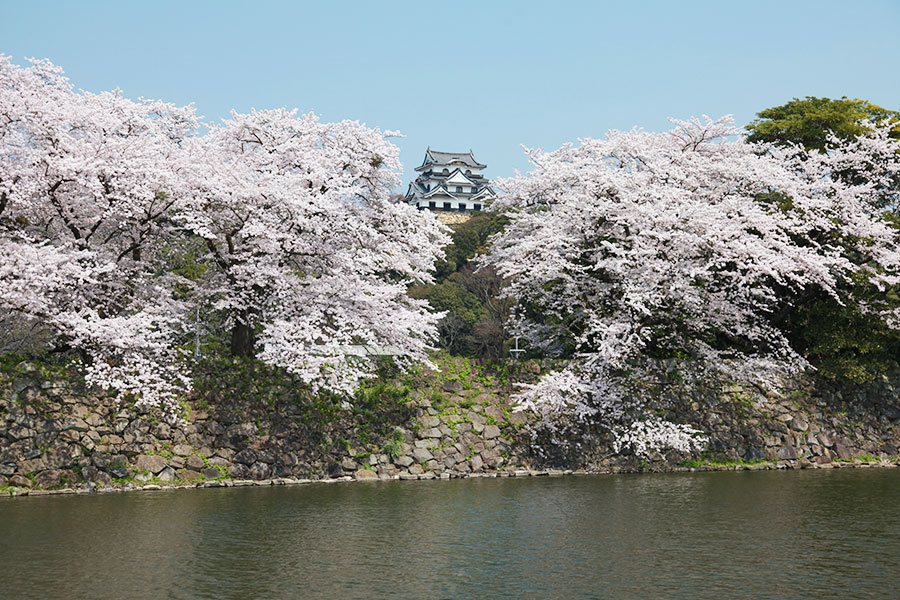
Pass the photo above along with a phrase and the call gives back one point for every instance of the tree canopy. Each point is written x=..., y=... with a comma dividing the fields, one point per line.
x=119, y=221
x=819, y=123
x=681, y=245
x=844, y=342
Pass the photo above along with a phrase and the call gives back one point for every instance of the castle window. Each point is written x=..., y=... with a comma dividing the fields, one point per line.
x=459, y=189
x=477, y=207
x=462, y=206
x=431, y=205
x=446, y=206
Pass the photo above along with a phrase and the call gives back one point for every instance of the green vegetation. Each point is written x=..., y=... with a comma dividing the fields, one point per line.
x=717, y=460
x=475, y=321
x=809, y=122
x=394, y=447
x=845, y=343
x=868, y=458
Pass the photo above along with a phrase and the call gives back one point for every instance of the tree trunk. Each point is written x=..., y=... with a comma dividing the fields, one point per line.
x=243, y=338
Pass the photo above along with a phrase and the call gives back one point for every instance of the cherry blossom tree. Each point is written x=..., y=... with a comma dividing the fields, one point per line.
x=684, y=244
x=311, y=256
x=87, y=186
x=300, y=244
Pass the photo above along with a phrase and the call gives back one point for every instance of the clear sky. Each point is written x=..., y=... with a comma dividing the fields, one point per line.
x=487, y=75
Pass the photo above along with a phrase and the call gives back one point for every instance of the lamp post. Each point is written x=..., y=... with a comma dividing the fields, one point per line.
x=516, y=351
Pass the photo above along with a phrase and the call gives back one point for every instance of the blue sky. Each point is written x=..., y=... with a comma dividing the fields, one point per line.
x=483, y=75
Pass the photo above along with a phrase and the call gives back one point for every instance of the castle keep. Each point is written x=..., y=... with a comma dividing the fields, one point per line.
x=450, y=181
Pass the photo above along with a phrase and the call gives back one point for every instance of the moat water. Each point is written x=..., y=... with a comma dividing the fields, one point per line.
x=797, y=534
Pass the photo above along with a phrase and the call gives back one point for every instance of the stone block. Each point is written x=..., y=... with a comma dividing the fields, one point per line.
x=518, y=417
x=102, y=479
x=422, y=455
x=57, y=459
x=120, y=472
x=799, y=423
x=787, y=453
x=101, y=461
x=452, y=385
x=20, y=481
x=429, y=421
x=239, y=471
x=260, y=470
x=150, y=462
x=496, y=412
x=213, y=473
x=47, y=479
x=182, y=450
x=246, y=456
x=74, y=423
x=491, y=431
x=215, y=428
x=90, y=473
x=218, y=461
x=404, y=461
x=842, y=452
x=241, y=430
x=195, y=462
x=93, y=420
x=31, y=466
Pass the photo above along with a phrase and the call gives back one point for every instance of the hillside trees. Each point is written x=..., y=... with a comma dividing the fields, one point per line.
x=474, y=321
x=682, y=245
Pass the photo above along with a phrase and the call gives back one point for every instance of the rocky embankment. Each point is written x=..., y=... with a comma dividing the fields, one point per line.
x=54, y=435
x=803, y=424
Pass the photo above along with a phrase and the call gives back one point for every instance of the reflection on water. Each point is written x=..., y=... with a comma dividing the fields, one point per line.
x=799, y=534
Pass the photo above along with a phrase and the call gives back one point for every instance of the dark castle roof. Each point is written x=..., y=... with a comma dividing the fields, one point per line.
x=433, y=157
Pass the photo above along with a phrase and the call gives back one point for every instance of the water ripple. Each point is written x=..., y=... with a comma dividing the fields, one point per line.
x=705, y=535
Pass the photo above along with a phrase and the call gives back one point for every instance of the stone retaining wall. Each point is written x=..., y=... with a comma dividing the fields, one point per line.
x=55, y=435
x=805, y=424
